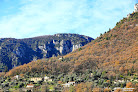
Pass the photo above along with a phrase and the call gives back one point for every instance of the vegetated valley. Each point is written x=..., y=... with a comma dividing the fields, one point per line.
x=103, y=65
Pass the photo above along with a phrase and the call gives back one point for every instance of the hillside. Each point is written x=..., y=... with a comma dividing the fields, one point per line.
x=115, y=51
x=14, y=52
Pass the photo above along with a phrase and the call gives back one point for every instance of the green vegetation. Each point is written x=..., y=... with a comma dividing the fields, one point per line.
x=90, y=79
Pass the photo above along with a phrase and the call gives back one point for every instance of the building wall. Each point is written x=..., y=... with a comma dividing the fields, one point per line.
x=136, y=7
x=36, y=79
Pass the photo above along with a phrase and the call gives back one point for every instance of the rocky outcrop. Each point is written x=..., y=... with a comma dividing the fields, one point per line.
x=14, y=52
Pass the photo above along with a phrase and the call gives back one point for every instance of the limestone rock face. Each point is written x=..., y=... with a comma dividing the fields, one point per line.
x=14, y=52
x=76, y=46
x=65, y=47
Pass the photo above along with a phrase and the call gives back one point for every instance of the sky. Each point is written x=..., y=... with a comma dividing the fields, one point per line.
x=30, y=18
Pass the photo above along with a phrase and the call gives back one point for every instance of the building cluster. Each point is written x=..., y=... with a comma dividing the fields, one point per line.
x=135, y=10
x=136, y=7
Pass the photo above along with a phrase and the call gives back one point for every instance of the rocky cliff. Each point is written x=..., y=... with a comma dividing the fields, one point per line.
x=14, y=52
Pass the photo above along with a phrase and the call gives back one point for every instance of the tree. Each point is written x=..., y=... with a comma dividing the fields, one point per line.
x=109, y=29
x=6, y=69
x=84, y=87
x=97, y=89
x=71, y=88
x=44, y=88
x=129, y=85
x=107, y=38
x=107, y=90
x=118, y=90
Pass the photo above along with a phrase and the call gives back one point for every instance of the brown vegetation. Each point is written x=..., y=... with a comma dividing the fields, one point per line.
x=116, y=51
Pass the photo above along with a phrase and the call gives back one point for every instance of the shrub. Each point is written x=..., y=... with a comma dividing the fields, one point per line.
x=80, y=49
x=115, y=35
x=107, y=90
x=107, y=38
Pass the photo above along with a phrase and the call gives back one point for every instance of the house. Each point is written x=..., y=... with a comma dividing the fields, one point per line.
x=46, y=78
x=135, y=10
x=49, y=80
x=17, y=77
x=60, y=58
x=91, y=75
x=134, y=80
x=69, y=84
x=116, y=88
x=60, y=82
x=36, y=79
x=30, y=86
x=119, y=81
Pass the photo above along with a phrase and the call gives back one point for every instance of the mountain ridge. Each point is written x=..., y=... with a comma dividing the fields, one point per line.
x=115, y=52
x=16, y=52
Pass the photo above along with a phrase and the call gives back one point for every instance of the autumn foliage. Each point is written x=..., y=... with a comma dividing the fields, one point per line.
x=116, y=51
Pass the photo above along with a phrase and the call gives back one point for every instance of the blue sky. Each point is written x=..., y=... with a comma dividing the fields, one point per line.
x=29, y=18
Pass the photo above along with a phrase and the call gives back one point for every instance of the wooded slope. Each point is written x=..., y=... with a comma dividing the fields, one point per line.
x=115, y=51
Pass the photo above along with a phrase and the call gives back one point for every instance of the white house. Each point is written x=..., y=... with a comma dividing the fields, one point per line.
x=17, y=76
x=68, y=84
x=46, y=78
x=119, y=81
x=36, y=79
x=30, y=86
x=117, y=88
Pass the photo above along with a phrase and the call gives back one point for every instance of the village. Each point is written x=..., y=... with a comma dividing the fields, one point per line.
x=92, y=78
x=21, y=83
